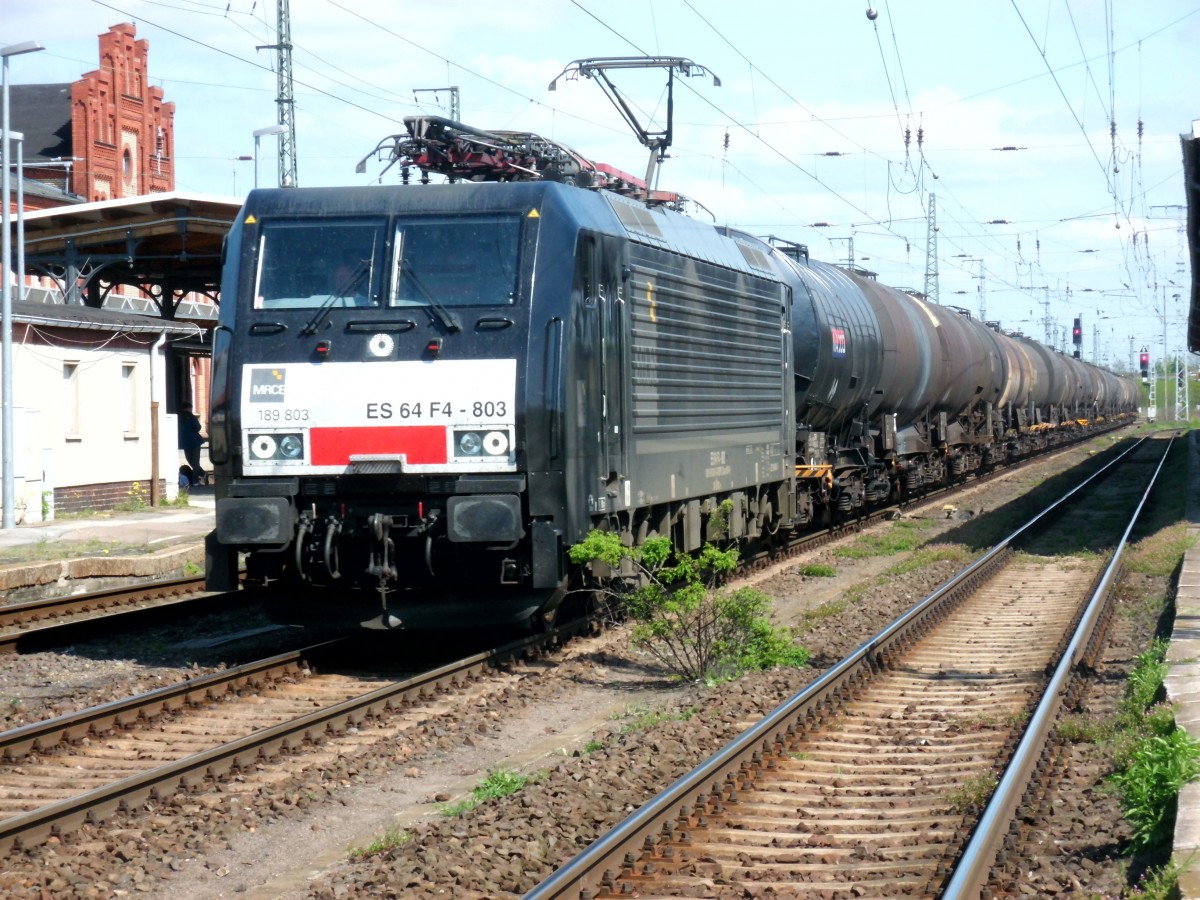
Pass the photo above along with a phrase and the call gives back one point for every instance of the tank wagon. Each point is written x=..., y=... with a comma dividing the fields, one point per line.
x=424, y=394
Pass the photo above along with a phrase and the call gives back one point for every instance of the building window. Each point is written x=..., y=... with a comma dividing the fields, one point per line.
x=129, y=399
x=126, y=164
x=70, y=401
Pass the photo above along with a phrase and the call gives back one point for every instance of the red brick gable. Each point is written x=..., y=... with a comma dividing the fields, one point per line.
x=120, y=124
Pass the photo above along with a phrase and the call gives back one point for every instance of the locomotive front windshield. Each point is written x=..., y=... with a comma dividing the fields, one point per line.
x=457, y=262
x=306, y=264
x=430, y=261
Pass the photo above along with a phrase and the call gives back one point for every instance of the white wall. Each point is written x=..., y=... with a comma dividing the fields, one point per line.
x=97, y=430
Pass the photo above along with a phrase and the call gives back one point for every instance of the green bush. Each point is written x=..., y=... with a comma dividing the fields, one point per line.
x=1158, y=767
x=681, y=618
x=1145, y=684
x=1154, y=758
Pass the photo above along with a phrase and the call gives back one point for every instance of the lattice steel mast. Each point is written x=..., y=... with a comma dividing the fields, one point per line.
x=284, y=98
x=931, y=263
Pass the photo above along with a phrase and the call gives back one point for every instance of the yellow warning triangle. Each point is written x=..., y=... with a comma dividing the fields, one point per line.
x=533, y=214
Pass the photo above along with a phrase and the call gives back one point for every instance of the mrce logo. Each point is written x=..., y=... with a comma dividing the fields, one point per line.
x=267, y=385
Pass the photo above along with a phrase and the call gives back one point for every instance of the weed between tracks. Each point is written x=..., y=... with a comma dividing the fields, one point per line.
x=903, y=536
x=389, y=840
x=973, y=793
x=642, y=718
x=499, y=783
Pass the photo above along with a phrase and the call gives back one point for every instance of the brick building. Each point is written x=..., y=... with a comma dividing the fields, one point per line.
x=108, y=135
x=94, y=333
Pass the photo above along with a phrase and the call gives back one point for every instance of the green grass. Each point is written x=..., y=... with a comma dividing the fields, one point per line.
x=973, y=793
x=642, y=718
x=1154, y=758
x=817, y=570
x=901, y=537
x=1080, y=728
x=811, y=618
x=499, y=783
x=1159, y=883
x=927, y=556
x=389, y=840
x=1160, y=554
x=45, y=549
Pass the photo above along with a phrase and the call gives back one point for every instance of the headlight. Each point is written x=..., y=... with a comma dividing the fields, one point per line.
x=263, y=446
x=469, y=443
x=275, y=447
x=291, y=446
x=495, y=443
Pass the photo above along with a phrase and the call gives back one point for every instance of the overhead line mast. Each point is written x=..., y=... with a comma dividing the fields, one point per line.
x=285, y=98
x=931, y=258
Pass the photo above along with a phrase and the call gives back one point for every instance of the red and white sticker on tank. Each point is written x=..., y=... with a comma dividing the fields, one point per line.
x=401, y=416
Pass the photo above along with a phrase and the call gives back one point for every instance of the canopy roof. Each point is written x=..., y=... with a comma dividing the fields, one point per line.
x=168, y=244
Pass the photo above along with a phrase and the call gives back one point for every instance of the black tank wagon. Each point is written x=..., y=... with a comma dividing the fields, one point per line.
x=426, y=393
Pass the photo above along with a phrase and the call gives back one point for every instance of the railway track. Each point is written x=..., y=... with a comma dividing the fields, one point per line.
x=199, y=729
x=60, y=620
x=869, y=782
x=57, y=774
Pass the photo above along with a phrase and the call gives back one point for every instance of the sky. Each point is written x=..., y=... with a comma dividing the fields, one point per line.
x=1045, y=134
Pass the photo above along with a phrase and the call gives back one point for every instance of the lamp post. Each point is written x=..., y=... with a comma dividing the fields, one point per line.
x=19, y=137
x=8, y=495
x=258, y=133
x=238, y=159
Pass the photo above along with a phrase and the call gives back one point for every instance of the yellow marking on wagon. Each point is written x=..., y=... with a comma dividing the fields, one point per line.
x=824, y=472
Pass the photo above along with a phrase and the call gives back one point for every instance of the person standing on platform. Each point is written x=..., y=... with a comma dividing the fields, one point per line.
x=191, y=439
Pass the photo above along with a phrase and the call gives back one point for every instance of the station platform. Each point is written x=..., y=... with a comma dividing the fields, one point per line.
x=77, y=553
x=1183, y=681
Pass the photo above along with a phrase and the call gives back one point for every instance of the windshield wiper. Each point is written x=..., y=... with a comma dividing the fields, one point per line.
x=437, y=311
x=339, y=293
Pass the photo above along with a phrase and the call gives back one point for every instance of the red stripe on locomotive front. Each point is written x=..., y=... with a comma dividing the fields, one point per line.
x=422, y=445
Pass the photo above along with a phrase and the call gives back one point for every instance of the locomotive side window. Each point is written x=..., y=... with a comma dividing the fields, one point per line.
x=307, y=264
x=457, y=261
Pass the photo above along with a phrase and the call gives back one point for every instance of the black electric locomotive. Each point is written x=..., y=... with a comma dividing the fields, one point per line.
x=424, y=394
x=504, y=367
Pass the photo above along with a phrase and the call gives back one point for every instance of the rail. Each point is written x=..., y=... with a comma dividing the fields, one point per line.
x=586, y=873
x=978, y=857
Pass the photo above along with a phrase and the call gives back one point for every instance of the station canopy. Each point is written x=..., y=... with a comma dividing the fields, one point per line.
x=168, y=245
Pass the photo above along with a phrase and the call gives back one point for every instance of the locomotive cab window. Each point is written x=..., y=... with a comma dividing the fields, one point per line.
x=321, y=263
x=457, y=261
